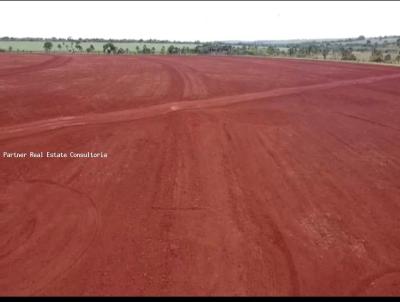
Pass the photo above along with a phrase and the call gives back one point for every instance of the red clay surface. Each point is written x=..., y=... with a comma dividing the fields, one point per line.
x=224, y=176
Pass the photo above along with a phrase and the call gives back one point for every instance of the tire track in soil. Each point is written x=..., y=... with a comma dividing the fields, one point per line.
x=192, y=81
x=369, y=283
x=151, y=111
x=33, y=256
x=240, y=218
x=54, y=62
x=180, y=204
x=268, y=229
x=177, y=81
x=367, y=120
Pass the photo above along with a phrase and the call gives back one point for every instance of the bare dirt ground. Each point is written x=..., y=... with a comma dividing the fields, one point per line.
x=224, y=176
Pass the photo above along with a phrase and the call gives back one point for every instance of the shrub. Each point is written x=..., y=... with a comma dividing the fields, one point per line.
x=162, y=50
x=347, y=55
x=376, y=56
x=325, y=52
x=388, y=58
x=90, y=48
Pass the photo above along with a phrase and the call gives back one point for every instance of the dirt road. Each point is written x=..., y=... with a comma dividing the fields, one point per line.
x=224, y=176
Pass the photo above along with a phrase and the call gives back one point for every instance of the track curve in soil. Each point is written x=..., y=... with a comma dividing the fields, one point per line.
x=134, y=114
x=46, y=229
x=53, y=62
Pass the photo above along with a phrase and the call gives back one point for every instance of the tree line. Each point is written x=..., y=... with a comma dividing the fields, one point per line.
x=375, y=52
x=300, y=51
x=101, y=40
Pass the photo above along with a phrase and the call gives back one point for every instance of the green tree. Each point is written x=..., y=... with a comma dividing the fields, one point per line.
x=47, y=46
x=78, y=46
x=388, y=57
x=90, y=48
x=173, y=49
x=109, y=48
x=292, y=51
x=325, y=52
x=162, y=50
x=145, y=49
x=376, y=55
x=59, y=46
x=270, y=50
x=347, y=54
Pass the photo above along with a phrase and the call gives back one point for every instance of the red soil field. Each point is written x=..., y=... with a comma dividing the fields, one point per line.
x=224, y=176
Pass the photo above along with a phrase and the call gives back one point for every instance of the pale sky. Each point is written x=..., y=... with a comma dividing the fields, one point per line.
x=202, y=20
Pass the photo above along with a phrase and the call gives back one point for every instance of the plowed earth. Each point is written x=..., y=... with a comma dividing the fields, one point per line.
x=224, y=176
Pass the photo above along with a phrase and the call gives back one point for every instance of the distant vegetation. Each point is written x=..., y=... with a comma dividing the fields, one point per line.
x=47, y=46
x=379, y=49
